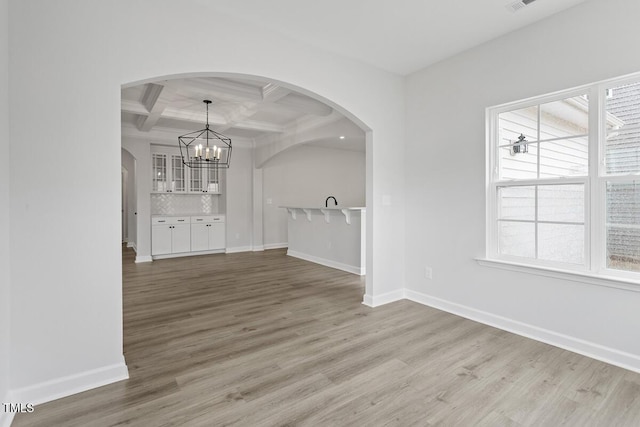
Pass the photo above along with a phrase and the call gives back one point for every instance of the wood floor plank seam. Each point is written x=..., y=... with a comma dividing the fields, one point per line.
x=263, y=339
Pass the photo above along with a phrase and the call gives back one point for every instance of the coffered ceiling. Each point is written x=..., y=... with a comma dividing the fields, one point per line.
x=258, y=111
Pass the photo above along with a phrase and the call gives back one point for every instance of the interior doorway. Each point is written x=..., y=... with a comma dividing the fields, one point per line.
x=264, y=118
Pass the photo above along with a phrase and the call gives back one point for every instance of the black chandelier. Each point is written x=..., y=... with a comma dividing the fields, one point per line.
x=205, y=149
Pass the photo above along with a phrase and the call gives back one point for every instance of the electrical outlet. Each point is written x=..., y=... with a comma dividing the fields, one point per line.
x=269, y=201
x=428, y=272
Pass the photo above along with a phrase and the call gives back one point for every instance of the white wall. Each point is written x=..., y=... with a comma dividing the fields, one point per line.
x=445, y=174
x=129, y=163
x=238, y=195
x=306, y=176
x=4, y=205
x=68, y=68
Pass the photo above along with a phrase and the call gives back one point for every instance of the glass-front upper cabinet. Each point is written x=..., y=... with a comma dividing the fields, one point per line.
x=171, y=175
x=213, y=181
x=197, y=181
x=178, y=175
x=159, y=172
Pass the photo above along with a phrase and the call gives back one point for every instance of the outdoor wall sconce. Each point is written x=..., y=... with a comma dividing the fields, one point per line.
x=520, y=146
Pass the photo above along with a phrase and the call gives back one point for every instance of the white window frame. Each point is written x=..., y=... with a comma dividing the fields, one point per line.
x=595, y=189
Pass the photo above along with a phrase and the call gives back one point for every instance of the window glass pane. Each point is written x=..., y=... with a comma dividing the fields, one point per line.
x=566, y=117
x=517, y=203
x=622, y=146
x=563, y=203
x=623, y=106
x=517, y=239
x=518, y=165
x=622, y=152
x=561, y=243
x=564, y=157
x=623, y=225
x=514, y=123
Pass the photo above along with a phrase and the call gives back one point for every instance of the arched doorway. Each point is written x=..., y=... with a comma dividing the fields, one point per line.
x=155, y=96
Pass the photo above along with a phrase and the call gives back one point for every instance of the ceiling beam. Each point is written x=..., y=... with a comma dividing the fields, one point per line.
x=216, y=121
x=273, y=93
x=155, y=99
x=216, y=88
x=245, y=110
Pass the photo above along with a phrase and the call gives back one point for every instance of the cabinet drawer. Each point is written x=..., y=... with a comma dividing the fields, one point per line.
x=160, y=220
x=201, y=219
x=207, y=219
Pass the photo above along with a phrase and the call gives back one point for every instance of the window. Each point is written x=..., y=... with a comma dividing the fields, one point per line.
x=563, y=180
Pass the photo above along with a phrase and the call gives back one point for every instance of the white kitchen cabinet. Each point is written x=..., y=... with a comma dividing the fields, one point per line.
x=161, y=239
x=181, y=238
x=170, y=235
x=170, y=175
x=199, y=237
x=207, y=233
x=159, y=171
x=178, y=175
x=217, y=236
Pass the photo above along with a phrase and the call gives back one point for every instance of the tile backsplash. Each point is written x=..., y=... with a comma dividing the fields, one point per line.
x=171, y=204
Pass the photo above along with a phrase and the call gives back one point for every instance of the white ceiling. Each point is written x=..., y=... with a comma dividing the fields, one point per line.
x=400, y=36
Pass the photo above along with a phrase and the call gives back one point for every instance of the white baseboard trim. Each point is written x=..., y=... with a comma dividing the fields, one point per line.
x=268, y=246
x=328, y=263
x=257, y=248
x=184, y=254
x=239, y=249
x=595, y=351
x=140, y=259
x=6, y=418
x=72, y=384
x=378, y=300
x=133, y=246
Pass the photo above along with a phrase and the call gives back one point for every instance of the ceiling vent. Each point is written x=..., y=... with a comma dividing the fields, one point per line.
x=517, y=5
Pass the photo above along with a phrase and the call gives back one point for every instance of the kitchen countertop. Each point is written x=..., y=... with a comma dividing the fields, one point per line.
x=187, y=214
x=330, y=208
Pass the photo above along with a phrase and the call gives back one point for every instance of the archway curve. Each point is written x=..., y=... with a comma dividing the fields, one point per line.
x=369, y=190
x=361, y=124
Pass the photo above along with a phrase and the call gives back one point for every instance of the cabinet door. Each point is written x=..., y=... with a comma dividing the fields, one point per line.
x=178, y=172
x=199, y=237
x=213, y=180
x=196, y=182
x=159, y=172
x=181, y=238
x=161, y=239
x=217, y=236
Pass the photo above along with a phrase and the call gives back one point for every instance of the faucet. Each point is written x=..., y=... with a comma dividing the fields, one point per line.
x=326, y=202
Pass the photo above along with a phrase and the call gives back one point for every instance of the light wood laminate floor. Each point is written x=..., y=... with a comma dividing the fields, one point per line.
x=262, y=339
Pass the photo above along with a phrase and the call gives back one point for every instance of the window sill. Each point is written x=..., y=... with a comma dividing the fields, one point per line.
x=575, y=276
